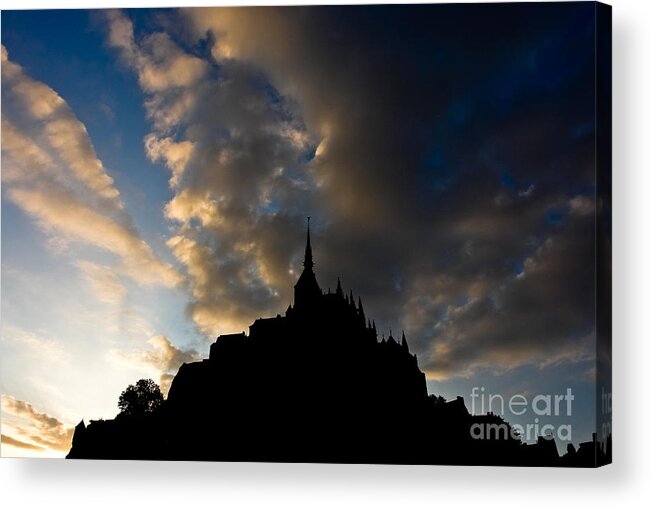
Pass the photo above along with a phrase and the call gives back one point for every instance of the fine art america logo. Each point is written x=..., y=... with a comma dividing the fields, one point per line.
x=497, y=409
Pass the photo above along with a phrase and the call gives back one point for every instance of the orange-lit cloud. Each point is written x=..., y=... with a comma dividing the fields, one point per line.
x=221, y=184
x=163, y=359
x=164, y=70
x=32, y=427
x=45, y=168
x=104, y=283
x=175, y=155
x=160, y=63
x=7, y=440
x=59, y=213
x=66, y=135
x=24, y=159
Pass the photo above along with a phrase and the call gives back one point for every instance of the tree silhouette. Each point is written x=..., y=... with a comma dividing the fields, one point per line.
x=143, y=398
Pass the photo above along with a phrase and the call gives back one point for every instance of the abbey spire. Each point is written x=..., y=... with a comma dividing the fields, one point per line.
x=307, y=262
x=307, y=290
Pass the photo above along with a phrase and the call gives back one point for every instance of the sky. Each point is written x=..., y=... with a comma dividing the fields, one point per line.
x=158, y=166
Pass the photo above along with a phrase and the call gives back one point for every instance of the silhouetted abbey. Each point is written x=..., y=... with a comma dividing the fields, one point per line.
x=314, y=385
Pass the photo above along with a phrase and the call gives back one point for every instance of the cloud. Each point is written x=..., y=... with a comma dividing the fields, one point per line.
x=46, y=349
x=533, y=317
x=55, y=176
x=166, y=356
x=7, y=440
x=175, y=155
x=58, y=212
x=104, y=283
x=159, y=62
x=429, y=214
x=236, y=169
x=24, y=159
x=66, y=135
x=164, y=70
x=448, y=203
x=39, y=428
x=69, y=137
x=164, y=360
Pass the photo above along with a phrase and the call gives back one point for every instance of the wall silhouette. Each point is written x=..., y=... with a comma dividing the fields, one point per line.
x=314, y=385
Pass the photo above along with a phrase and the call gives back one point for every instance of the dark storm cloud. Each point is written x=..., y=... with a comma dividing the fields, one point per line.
x=544, y=315
x=452, y=148
x=446, y=155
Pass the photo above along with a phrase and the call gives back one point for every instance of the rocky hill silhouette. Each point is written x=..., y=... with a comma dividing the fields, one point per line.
x=314, y=385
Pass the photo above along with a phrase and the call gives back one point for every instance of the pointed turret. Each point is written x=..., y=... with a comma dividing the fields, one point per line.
x=361, y=311
x=404, y=343
x=340, y=292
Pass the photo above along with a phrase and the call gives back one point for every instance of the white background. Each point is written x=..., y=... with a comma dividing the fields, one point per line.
x=626, y=482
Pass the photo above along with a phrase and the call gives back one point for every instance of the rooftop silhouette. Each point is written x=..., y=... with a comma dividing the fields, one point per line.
x=313, y=385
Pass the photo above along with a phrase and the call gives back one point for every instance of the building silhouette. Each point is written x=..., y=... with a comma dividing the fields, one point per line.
x=312, y=385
